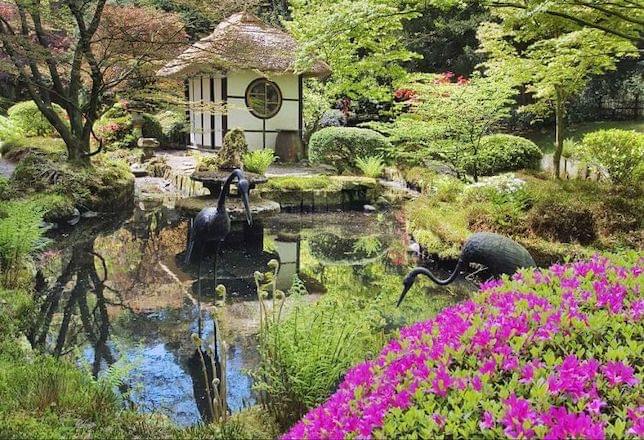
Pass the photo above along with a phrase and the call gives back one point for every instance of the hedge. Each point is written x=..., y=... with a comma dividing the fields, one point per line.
x=341, y=146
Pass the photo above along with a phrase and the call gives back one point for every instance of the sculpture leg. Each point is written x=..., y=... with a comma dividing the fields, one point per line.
x=199, y=323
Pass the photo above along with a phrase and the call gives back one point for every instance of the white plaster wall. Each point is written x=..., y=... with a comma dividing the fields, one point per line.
x=201, y=127
x=240, y=116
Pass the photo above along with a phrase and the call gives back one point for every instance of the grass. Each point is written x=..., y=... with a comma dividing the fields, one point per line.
x=546, y=139
x=299, y=183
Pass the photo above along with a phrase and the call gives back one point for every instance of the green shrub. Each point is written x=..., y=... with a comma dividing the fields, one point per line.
x=116, y=129
x=305, y=352
x=11, y=136
x=340, y=146
x=371, y=166
x=258, y=161
x=621, y=152
x=26, y=116
x=174, y=127
x=503, y=152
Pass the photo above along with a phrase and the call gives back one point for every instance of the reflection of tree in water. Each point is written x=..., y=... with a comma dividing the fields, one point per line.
x=83, y=308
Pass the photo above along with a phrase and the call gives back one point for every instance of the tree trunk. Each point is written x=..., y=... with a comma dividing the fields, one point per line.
x=559, y=132
x=78, y=146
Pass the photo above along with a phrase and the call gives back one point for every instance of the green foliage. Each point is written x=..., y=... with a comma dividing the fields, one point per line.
x=11, y=136
x=503, y=152
x=570, y=148
x=306, y=351
x=20, y=236
x=371, y=166
x=16, y=312
x=28, y=118
x=116, y=129
x=359, y=39
x=173, y=126
x=551, y=218
x=621, y=152
x=341, y=146
x=258, y=161
x=553, y=58
x=448, y=120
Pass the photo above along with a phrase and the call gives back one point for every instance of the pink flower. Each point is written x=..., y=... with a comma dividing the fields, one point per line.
x=618, y=372
x=636, y=417
x=595, y=406
x=519, y=417
x=488, y=421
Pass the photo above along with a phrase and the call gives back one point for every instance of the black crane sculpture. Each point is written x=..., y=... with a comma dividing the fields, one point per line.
x=499, y=254
x=211, y=226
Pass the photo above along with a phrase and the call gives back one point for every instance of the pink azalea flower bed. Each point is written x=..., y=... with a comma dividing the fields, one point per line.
x=551, y=353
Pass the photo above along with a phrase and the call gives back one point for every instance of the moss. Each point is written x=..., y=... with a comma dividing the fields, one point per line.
x=56, y=207
x=299, y=183
x=107, y=185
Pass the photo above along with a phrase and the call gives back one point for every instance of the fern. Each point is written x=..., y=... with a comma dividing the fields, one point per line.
x=371, y=166
x=258, y=161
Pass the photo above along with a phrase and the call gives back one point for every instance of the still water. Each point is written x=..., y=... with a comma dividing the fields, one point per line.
x=117, y=297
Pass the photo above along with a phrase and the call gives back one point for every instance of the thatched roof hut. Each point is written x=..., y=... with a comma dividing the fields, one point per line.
x=248, y=68
x=242, y=41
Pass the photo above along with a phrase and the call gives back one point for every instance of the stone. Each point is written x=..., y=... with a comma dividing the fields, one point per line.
x=234, y=147
x=148, y=143
x=89, y=214
x=369, y=208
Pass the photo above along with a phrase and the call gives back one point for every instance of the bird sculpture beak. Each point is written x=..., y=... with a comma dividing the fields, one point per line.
x=244, y=197
x=407, y=286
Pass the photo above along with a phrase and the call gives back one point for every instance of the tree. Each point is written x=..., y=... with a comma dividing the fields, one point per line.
x=464, y=111
x=75, y=53
x=620, y=18
x=554, y=60
x=359, y=39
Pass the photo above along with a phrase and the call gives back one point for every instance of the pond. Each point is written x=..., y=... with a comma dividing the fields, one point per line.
x=117, y=297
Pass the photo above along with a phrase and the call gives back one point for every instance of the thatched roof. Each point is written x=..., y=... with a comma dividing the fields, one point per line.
x=242, y=41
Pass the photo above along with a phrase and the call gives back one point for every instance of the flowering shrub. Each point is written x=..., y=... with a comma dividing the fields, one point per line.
x=551, y=353
x=621, y=152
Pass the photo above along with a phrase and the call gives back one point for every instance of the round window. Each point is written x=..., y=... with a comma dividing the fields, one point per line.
x=263, y=98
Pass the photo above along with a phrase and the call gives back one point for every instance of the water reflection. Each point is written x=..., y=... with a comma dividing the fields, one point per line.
x=118, y=292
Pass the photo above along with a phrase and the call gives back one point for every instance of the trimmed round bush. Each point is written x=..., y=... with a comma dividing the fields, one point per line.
x=621, y=152
x=341, y=146
x=504, y=152
x=548, y=354
x=26, y=116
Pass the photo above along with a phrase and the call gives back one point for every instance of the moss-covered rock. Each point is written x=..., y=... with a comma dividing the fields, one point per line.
x=105, y=186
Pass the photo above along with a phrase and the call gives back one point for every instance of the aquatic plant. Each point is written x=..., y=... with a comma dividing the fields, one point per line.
x=216, y=389
x=550, y=353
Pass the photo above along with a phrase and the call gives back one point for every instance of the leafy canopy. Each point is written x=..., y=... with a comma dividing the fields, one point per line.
x=359, y=39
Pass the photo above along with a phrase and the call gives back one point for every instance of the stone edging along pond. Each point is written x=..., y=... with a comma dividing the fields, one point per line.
x=321, y=193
